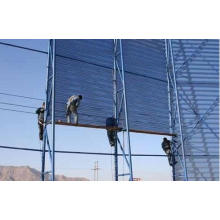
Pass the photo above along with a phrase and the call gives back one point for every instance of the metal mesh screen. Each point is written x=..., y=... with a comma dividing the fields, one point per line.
x=197, y=71
x=85, y=67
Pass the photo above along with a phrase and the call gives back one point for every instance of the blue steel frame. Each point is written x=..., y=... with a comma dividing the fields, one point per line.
x=119, y=94
x=118, y=78
x=115, y=108
x=120, y=106
x=50, y=97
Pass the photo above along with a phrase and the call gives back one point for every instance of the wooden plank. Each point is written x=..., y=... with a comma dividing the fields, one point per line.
x=113, y=128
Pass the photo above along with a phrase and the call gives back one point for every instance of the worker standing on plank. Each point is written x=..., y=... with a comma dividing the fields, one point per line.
x=71, y=108
x=166, y=145
x=111, y=125
x=40, y=112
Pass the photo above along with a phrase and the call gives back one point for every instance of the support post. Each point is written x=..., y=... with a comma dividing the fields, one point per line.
x=178, y=111
x=115, y=103
x=48, y=97
x=43, y=159
x=120, y=105
x=126, y=111
x=53, y=111
x=169, y=103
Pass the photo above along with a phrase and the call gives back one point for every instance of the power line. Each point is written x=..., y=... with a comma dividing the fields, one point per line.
x=12, y=110
x=25, y=106
x=24, y=48
x=20, y=148
x=20, y=96
x=98, y=153
x=76, y=152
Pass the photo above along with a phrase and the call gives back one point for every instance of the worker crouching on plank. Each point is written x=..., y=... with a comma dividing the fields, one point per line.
x=71, y=108
x=111, y=124
x=40, y=112
x=166, y=145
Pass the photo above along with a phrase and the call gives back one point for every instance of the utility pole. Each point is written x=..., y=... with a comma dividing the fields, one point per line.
x=96, y=171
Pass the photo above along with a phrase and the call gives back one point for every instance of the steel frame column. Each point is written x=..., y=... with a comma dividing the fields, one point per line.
x=169, y=102
x=121, y=106
x=45, y=118
x=115, y=101
x=177, y=107
x=53, y=112
x=50, y=96
x=126, y=111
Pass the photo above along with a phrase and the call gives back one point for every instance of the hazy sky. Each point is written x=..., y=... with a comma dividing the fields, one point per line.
x=24, y=73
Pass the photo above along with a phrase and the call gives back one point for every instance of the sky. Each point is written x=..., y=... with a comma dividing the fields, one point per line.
x=24, y=73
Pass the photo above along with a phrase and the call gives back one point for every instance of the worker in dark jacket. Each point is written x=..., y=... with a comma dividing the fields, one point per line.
x=72, y=106
x=111, y=125
x=40, y=112
x=166, y=145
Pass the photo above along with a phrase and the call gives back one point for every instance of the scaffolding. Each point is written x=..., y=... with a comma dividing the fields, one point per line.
x=181, y=74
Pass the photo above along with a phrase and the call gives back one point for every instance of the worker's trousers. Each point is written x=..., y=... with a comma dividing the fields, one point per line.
x=171, y=158
x=41, y=129
x=112, y=137
x=75, y=117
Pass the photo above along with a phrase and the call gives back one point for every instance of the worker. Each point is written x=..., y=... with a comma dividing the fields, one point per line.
x=111, y=125
x=166, y=145
x=72, y=106
x=40, y=112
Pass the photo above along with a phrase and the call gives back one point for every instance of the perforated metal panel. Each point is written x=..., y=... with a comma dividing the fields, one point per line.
x=85, y=67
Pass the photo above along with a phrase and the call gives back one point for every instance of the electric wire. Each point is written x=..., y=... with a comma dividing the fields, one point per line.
x=20, y=96
x=98, y=153
x=12, y=110
x=24, y=48
x=25, y=106
x=18, y=105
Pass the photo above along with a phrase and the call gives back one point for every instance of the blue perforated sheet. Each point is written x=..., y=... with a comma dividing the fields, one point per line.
x=85, y=67
x=197, y=71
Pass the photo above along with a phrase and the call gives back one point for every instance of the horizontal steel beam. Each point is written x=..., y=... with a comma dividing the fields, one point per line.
x=113, y=128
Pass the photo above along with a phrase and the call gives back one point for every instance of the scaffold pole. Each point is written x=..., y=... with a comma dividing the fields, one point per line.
x=53, y=110
x=115, y=103
x=126, y=111
x=178, y=111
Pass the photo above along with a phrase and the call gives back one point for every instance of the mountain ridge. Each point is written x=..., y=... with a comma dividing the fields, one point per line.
x=26, y=173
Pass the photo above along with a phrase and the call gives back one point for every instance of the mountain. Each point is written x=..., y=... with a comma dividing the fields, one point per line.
x=26, y=173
